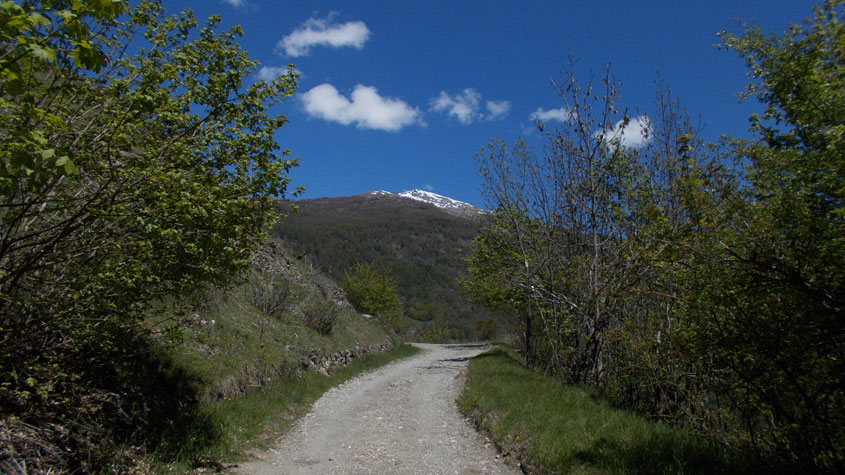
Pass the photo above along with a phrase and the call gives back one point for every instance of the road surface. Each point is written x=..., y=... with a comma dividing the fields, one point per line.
x=400, y=419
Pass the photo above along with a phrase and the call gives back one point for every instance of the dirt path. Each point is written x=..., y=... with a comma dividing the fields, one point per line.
x=400, y=419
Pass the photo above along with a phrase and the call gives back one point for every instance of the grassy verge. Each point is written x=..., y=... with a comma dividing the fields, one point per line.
x=225, y=429
x=555, y=428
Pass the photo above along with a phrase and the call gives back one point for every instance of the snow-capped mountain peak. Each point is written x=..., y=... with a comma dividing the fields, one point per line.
x=443, y=202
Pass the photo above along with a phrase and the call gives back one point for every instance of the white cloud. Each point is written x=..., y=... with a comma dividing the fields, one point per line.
x=268, y=73
x=323, y=32
x=365, y=108
x=466, y=106
x=463, y=106
x=497, y=109
x=428, y=187
x=560, y=115
x=235, y=3
x=634, y=134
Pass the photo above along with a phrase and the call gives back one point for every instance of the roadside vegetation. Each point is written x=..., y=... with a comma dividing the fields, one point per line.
x=143, y=314
x=145, y=318
x=565, y=429
x=373, y=291
x=230, y=426
x=699, y=284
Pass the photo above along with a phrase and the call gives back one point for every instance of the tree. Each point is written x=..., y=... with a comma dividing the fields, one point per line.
x=373, y=291
x=560, y=221
x=771, y=315
x=136, y=165
x=692, y=282
x=588, y=242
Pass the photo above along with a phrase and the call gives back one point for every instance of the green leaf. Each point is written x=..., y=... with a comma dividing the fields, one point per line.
x=44, y=53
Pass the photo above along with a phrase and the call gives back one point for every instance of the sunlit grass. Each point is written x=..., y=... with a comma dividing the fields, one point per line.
x=563, y=429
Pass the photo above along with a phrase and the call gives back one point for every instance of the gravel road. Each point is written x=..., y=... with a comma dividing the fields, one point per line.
x=400, y=419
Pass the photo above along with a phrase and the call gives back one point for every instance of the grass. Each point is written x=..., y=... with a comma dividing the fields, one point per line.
x=226, y=429
x=233, y=342
x=555, y=428
x=236, y=380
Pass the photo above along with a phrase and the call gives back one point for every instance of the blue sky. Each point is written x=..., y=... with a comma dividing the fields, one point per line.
x=397, y=95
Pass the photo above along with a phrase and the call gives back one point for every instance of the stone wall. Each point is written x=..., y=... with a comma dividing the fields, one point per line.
x=326, y=364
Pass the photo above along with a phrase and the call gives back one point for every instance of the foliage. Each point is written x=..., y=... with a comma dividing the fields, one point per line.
x=698, y=284
x=277, y=296
x=485, y=329
x=563, y=429
x=778, y=288
x=374, y=291
x=320, y=315
x=564, y=249
x=271, y=294
x=439, y=330
x=135, y=166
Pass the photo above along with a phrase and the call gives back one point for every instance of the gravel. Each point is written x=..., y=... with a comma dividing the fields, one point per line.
x=400, y=419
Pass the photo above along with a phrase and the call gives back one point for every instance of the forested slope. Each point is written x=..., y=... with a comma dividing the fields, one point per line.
x=420, y=245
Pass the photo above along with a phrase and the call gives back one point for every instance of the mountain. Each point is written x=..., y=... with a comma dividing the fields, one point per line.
x=418, y=236
x=451, y=206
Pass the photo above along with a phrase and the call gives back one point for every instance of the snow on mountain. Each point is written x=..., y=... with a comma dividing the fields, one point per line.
x=459, y=208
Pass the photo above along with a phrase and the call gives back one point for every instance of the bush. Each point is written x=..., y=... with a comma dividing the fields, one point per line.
x=271, y=293
x=320, y=315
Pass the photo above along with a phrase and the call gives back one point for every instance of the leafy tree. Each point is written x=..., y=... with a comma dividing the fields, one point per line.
x=561, y=219
x=136, y=165
x=773, y=320
x=692, y=282
x=373, y=291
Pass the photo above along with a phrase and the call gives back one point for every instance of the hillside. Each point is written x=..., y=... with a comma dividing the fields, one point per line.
x=418, y=237
x=220, y=374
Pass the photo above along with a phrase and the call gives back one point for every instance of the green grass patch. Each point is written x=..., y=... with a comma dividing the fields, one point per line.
x=232, y=342
x=225, y=429
x=557, y=428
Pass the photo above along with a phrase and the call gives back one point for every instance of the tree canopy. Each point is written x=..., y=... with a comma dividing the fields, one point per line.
x=701, y=283
x=139, y=163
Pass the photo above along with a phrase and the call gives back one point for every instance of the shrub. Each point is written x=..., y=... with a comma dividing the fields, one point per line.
x=271, y=293
x=320, y=315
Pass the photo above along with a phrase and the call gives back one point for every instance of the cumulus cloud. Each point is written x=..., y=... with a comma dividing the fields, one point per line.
x=323, y=32
x=364, y=107
x=548, y=115
x=497, y=109
x=633, y=132
x=466, y=106
x=268, y=73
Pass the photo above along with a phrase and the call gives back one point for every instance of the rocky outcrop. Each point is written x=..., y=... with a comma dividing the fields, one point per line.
x=277, y=260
